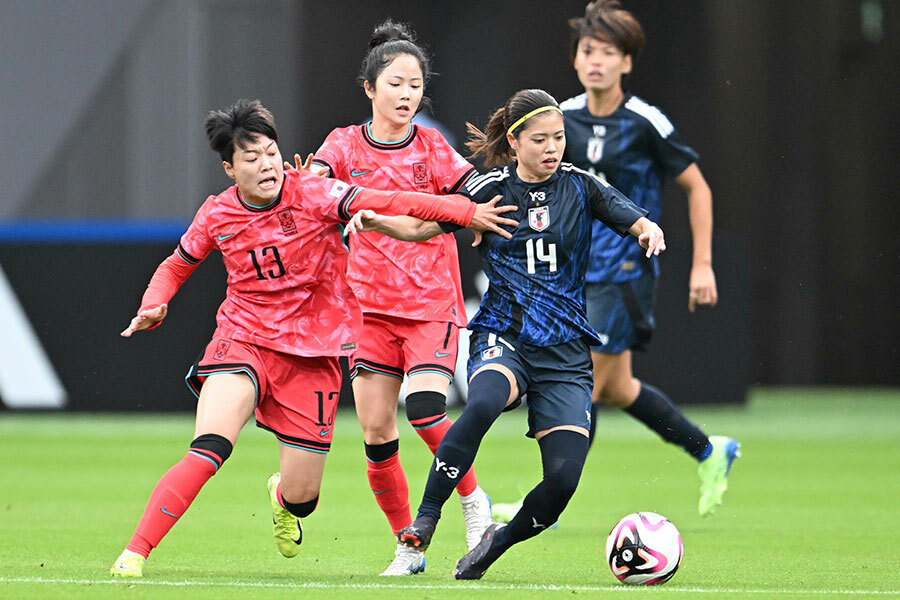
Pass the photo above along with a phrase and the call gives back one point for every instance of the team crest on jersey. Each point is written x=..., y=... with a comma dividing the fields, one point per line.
x=595, y=149
x=286, y=219
x=420, y=173
x=222, y=347
x=539, y=218
x=492, y=352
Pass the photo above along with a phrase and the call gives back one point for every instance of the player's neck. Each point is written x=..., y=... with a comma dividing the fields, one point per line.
x=386, y=132
x=602, y=103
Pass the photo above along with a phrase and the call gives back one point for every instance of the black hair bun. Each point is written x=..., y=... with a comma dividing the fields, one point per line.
x=389, y=31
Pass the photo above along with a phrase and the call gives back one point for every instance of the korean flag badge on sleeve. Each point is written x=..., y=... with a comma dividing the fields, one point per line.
x=338, y=188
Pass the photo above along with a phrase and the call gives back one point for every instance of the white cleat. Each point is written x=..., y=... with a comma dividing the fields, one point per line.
x=476, y=509
x=407, y=561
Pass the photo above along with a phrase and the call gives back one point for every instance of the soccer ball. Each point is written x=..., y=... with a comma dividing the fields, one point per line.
x=644, y=549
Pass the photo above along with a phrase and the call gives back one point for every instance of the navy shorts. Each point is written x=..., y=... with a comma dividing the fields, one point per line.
x=622, y=313
x=557, y=379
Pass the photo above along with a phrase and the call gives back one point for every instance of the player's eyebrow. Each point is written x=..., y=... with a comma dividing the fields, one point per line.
x=255, y=151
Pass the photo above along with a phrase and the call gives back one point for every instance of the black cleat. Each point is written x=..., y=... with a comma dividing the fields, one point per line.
x=475, y=563
x=418, y=535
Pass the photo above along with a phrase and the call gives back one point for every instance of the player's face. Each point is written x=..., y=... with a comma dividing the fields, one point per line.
x=600, y=65
x=539, y=146
x=257, y=169
x=398, y=91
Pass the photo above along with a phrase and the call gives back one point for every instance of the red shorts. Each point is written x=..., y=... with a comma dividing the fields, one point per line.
x=394, y=346
x=296, y=396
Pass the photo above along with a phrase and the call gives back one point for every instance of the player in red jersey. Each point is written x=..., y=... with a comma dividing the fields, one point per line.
x=288, y=314
x=410, y=293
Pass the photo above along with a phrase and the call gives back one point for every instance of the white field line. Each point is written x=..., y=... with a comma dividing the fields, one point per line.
x=436, y=586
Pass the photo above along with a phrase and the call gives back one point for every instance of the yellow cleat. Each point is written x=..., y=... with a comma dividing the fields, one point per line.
x=129, y=564
x=286, y=527
x=714, y=473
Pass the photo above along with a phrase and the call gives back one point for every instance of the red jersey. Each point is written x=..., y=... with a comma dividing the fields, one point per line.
x=413, y=280
x=286, y=263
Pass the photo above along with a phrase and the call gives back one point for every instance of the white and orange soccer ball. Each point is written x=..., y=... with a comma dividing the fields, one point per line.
x=644, y=548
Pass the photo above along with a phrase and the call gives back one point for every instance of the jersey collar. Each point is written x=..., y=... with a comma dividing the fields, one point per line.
x=367, y=135
x=517, y=180
x=275, y=202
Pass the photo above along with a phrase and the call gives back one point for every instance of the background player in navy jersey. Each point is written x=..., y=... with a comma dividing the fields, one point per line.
x=531, y=333
x=633, y=146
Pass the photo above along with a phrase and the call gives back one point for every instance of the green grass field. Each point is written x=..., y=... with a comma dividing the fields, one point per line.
x=811, y=511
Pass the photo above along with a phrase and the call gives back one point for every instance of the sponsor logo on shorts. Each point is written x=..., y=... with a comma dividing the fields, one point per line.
x=491, y=353
x=222, y=347
x=440, y=354
x=349, y=346
x=627, y=265
x=324, y=432
x=222, y=238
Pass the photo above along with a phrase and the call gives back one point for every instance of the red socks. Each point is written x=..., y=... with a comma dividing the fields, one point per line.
x=388, y=483
x=170, y=499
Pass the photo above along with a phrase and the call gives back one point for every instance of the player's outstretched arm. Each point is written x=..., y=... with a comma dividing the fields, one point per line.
x=649, y=236
x=146, y=319
x=168, y=277
x=407, y=229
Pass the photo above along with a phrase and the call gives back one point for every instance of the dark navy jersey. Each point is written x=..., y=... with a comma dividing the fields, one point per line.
x=633, y=149
x=536, y=289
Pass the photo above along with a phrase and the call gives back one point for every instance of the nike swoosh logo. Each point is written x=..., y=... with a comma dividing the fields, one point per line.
x=381, y=492
x=225, y=237
x=355, y=173
x=324, y=432
x=441, y=354
x=165, y=512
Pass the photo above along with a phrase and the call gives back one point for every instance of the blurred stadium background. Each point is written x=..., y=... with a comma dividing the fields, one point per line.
x=792, y=106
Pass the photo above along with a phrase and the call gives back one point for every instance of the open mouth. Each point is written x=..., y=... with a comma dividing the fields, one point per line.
x=403, y=109
x=268, y=182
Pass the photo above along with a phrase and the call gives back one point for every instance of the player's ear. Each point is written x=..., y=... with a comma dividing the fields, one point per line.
x=513, y=142
x=370, y=91
x=229, y=169
x=626, y=64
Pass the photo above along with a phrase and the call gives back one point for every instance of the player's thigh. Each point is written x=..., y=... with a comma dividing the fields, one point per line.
x=581, y=430
x=301, y=473
x=619, y=387
x=427, y=382
x=375, y=396
x=226, y=403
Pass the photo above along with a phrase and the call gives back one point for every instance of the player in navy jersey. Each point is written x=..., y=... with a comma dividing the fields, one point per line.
x=531, y=333
x=633, y=145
